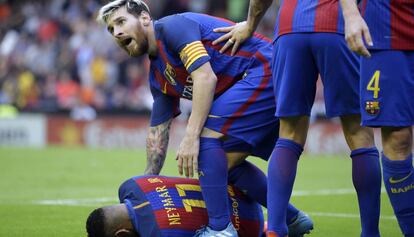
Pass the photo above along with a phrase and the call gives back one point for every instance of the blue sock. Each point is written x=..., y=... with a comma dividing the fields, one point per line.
x=212, y=164
x=282, y=171
x=399, y=183
x=366, y=176
x=253, y=182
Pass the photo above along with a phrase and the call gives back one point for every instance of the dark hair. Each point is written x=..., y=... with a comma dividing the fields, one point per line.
x=95, y=224
x=135, y=8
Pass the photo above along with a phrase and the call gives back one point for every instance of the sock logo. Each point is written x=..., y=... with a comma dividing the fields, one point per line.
x=395, y=181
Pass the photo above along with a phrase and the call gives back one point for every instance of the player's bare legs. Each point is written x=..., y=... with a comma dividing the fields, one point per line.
x=356, y=136
x=366, y=172
x=397, y=142
x=294, y=128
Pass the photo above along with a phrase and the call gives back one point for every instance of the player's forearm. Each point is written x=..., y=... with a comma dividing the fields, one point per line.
x=203, y=95
x=349, y=9
x=157, y=144
x=257, y=9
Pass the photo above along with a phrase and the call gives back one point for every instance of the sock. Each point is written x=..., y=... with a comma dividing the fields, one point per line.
x=282, y=171
x=253, y=182
x=212, y=163
x=399, y=183
x=291, y=214
x=366, y=176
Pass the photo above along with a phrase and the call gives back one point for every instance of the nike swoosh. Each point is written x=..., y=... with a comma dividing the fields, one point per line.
x=213, y=116
x=395, y=181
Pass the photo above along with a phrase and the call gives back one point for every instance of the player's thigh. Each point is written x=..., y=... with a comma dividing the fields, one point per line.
x=387, y=88
x=294, y=75
x=246, y=111
x=339, y=70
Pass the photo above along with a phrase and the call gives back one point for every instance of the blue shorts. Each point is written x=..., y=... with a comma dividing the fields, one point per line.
x=245, y=112
x=387, y=89
x=298, y=58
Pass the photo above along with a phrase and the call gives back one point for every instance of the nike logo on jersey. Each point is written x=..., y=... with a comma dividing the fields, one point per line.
x=395, y=181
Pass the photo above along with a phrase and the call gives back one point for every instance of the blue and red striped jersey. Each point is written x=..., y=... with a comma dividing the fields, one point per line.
x=297, y=16
x=165, y=206
x=391, y=23
x=184, y=43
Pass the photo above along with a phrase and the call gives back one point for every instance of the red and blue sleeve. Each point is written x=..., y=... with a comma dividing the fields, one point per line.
x=164, y=107
x=183, y=36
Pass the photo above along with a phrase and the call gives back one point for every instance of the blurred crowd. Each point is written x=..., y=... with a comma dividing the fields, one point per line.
x=55, y=57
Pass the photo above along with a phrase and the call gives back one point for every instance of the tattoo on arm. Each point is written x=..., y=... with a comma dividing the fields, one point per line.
x=157, y=144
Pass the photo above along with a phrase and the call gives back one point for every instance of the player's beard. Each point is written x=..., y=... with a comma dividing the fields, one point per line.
x=134, y=49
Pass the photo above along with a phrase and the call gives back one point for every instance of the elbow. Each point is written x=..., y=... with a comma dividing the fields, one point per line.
x=210, y=79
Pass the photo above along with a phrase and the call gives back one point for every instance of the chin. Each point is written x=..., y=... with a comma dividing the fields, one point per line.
x=134, y=53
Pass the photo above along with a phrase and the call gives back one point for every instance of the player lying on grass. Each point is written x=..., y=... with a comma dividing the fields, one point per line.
x=233, y=102
x=157, y=206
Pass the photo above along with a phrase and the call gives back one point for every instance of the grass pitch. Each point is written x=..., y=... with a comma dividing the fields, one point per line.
x=50, y=192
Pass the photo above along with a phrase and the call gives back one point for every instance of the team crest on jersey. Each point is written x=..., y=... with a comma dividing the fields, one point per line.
x=170, y=74
x=372, y=107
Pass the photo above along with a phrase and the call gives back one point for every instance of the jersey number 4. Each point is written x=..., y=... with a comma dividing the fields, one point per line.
x=373, y=84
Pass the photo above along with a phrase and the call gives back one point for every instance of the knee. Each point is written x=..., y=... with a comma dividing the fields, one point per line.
x=235, y=158
x=294, y=128
x=357, y=136
x=397, y=142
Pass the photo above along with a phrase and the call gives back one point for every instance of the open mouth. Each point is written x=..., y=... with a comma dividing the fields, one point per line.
x=125, y=42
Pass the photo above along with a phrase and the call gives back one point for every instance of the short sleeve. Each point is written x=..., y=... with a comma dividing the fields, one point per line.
x=183, y=36
x=164, y=107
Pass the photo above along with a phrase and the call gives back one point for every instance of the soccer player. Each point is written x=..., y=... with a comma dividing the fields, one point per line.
x=157, y=206
x=387, y=88
x=232, y=100
x=309, y=41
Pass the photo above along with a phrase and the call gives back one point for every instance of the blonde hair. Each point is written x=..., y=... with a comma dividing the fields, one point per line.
x=133, y=6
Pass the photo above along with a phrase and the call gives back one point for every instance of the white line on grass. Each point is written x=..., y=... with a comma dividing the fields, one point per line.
x=345, y=215
x=94, y=201
x=325, y=192
x=76, y=202
x=340, y=215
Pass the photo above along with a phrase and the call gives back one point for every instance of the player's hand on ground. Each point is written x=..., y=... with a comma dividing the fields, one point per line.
x=234, y=37
x=187, y=155
x=356, y=32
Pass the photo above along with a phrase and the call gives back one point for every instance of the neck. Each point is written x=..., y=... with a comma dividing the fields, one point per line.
x=152, y=42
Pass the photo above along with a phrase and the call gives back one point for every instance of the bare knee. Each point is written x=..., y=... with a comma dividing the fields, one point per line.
x=294, y=128
x=357, y=136
x=235, y=158
x=211, y=133
x=397, y=142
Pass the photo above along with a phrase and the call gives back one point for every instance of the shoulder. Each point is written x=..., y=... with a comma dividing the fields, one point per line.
x=177, y=22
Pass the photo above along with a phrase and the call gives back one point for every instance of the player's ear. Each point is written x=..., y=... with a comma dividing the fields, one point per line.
x=146, y=18
x=124, y=233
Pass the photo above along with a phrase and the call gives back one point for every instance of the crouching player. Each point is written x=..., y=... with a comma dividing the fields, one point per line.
x=233, y=105
x=156, y=206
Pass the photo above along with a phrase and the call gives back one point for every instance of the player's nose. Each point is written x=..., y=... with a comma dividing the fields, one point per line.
x=118, y=33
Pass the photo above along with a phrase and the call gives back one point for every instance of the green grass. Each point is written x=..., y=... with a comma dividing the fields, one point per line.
x=28, y=176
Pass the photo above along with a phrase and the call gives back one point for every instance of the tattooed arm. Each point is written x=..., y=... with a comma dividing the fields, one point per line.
x=157, y=144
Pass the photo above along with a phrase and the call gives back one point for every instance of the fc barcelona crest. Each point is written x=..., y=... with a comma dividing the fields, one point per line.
x=372, y=107
x=169, y=73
